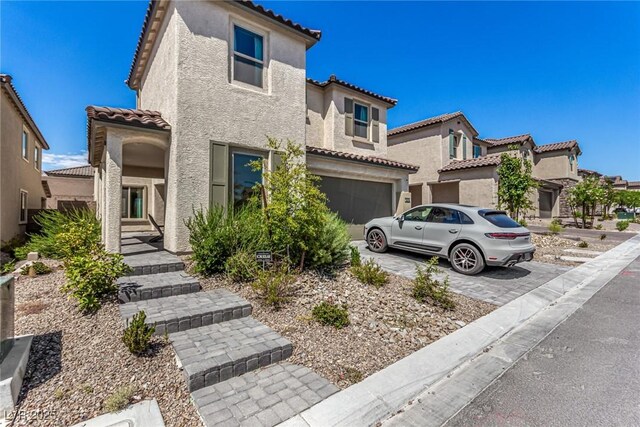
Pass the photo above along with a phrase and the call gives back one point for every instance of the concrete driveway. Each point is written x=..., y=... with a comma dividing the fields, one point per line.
x=495, y=285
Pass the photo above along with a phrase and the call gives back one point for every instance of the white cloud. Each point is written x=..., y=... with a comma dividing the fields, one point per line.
x=51, y=161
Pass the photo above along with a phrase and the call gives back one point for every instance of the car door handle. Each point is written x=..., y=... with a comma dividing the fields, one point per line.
x=453, y=231
x=418, y=227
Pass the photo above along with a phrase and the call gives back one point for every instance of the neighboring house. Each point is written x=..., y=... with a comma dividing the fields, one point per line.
x=456, y=166
x=69, y=188
x=213, y=80
x=21, y=146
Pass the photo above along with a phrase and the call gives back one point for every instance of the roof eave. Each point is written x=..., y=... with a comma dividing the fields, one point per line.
x=17, y=101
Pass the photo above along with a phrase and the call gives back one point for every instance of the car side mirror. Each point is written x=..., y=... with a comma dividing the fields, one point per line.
x=401, y=218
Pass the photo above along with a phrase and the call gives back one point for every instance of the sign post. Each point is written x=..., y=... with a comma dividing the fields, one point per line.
x=264, y=257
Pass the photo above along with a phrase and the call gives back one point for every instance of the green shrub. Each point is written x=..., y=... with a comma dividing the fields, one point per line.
x=583, y=244
x=622, y=225
x=356, y=260
x=330, y=249
x=523, y=222
x=241, y=267
x=274, y=286
x=39, y=267
x=9, y=247
x=331, y=314
x=598, y=227
x=555, y=228
x=91, y=277
x=603, y=236
x=7, y=267
x=120, y=398
x=62, y=234
x=425, y=286
x=370, y=273
x=138, y=334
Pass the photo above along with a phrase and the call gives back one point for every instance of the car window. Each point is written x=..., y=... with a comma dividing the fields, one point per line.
x=501, y=220
x=418, y=214
x=444, y=216
x=464, y=218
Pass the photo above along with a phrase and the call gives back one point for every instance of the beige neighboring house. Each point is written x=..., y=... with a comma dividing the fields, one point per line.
x=21, y=146
x=69, y=188
x=456, y=166
x=213, y=80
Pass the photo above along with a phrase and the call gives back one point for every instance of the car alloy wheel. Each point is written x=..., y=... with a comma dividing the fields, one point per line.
x=465, y=259
x=376, y=241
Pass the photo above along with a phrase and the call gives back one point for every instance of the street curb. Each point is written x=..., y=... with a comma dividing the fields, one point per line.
x=471, y=357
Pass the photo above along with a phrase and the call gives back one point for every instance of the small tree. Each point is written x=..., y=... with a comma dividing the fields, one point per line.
x=584, y=197
x=608, y=197
x=515, y=185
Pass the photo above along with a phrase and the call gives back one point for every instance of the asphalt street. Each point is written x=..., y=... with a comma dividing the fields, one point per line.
x=585, y=373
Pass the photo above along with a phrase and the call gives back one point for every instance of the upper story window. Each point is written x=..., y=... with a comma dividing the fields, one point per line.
x=526, y=155
x=360, y=120
x=23, y=206
x=571, y=161
x=25, y=145
x=477, y=151
x=248, y=56
x=36, y=156
x=453, y=145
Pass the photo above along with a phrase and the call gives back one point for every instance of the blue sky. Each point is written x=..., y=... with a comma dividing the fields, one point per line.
x=556, y=70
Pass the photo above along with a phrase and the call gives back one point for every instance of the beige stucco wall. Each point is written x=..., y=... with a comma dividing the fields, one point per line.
x=16, y=173
x=69, y=189
x=477, y=186
x=555, y=164
x=316, y=116
x=210, y=107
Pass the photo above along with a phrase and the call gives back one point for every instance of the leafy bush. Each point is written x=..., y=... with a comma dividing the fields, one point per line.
x=91, y=277
x=9, y=247
x=622, y=225
x=603, y=236
x=355, y=256
x=62, y=234
x=370, y=273
x=241, y=267
x=330, y=249
x=39, y=267
x=274, y=286
x=138, y=334
x=523, y=222
x=598, y=227
x=583, y=244
x=7, y=267
x=120, y=398
x=331, y=314
x=425, y=286
x=555, y=228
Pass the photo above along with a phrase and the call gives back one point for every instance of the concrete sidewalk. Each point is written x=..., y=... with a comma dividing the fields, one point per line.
x=431, y=385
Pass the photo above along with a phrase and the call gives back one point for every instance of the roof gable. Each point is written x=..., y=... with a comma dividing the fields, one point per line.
x=442, y=118
x=509, y=140
x=6, y=81
x=335, y=80
x=557, y=146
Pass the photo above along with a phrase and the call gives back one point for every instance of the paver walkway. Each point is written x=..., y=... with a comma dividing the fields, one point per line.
x=231, y=362
x=496, y=285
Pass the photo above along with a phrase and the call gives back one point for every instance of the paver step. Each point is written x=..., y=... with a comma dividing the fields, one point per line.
x=151, y=286
x=217, y=352
x=583, y=252
x=266, y=397
x=153, y=263
x=182, y=312
x=576, y=259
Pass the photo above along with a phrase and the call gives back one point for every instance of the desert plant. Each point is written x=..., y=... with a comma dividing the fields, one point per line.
x=583, y=244
x=355, y=259
x=598, y=227
x=426, y=286
x=274, y=286
x=370, y=273
x=523, y=222
x=515, y=184
x=120, y=398
x=7, y=267
x=91, y=277
x=330, y=314
x=555, y=228
x=38, y=266
x=622, y=225
x=241, y=267
x=330, y=249
x=137, y=334
x=583, y=199
x=603, y=236
x=9, y=246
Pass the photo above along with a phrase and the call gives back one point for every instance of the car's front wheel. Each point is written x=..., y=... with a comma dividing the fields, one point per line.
x=466, y=259
x=377, y=241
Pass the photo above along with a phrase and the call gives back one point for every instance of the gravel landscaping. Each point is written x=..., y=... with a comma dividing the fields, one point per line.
x=77, y=361
x=549, y=247
x=386, y=324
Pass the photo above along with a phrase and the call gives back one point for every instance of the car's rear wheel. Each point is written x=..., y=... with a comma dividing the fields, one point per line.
x=377, y=241
x=466, y=259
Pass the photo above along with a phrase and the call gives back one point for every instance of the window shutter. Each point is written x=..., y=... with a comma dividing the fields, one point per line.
x=219, y=174
x=348, y=116
x=375, y=124
x=464, y=147
x=452, y=147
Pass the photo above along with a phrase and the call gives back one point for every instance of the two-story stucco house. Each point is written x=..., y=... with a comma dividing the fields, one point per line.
x=213, y=79
x=456, y=166
x=21, y=146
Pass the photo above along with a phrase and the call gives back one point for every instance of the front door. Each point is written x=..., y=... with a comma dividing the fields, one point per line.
x=406, y=231
x=441, y=229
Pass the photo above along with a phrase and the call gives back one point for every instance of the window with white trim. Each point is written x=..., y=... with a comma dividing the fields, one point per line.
x=477, y=151
x=133, y=203
x=25, y=144
x=571, y=160
x=24, y=199
x=360, y=120
x=36, y=156
x=248, y=56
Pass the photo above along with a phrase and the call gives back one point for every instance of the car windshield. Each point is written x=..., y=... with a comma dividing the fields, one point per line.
x=500, y=219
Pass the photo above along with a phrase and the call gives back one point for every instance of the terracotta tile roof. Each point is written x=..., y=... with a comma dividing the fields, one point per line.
x=566, y=145
x=141, y=118
x=430, y=121
x=484, y=141
x=633, y=184
x=153, y=20
x=335, y=80
x=518, y=139
x=6, y=81
x=478, y=162
x=359, y=158
x=75, y=172
x=588, y=172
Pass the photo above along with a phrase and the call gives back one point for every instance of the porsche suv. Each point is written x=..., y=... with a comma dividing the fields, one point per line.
x=469, y=237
